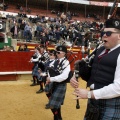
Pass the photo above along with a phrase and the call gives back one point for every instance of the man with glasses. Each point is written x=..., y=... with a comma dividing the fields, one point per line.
x=35, y=59
x=62, y=67
x=104, y=82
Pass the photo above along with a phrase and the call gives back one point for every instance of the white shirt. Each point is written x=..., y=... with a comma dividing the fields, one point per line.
x=64, y=75
x=113, y=89
x=37, y=59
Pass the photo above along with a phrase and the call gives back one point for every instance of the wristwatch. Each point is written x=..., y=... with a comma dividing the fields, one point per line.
x=89, y=95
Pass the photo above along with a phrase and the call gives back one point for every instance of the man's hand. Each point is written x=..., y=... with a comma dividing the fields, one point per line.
x=73, y=82
x=47, y=80
x=81, y=93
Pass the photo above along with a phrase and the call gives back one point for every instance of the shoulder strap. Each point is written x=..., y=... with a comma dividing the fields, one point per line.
x=61, y=63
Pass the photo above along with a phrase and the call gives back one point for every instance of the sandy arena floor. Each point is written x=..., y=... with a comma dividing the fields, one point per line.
x=19, y=101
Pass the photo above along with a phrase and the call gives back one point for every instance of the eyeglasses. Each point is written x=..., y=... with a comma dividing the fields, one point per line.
x=59, y=52
x=107, y=33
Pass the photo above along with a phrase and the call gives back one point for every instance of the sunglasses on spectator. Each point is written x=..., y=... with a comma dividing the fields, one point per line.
x=58, y=52
x=107, y=33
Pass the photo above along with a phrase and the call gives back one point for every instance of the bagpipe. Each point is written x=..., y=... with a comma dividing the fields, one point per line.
x=42, y=60
x=41, y=66
x=113, y=10
x=44, y=57
x=84, y=66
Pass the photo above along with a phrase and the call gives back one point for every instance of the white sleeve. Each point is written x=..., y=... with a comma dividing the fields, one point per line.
x=35, y=60
x=113, y=89
x=63, y=76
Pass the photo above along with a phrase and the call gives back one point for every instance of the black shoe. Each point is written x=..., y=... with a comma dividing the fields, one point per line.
x=40, y=91
x=59, y=118
x=33, y=84
x=56, y=118
x=47, y=106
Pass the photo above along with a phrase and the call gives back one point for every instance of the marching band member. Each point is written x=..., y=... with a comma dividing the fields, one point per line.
x=50, y=63
x=35, y=59
x=42, y=68
x=104, y=82
x=59, y=84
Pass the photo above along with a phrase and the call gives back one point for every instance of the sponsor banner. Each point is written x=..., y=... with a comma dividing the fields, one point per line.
x=86, y=2
x=74, y=1
x=63, y=0
x=99, y=3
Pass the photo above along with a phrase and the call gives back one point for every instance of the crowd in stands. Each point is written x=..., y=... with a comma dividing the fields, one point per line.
x=49, y=29
x=45, y=30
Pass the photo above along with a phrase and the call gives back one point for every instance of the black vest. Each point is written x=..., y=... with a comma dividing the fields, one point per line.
x=103, y=70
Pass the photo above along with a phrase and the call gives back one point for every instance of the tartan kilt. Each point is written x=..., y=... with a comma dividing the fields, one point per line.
x=109, y=109
x=35, y=71
x=48, y=87
x=58, y=95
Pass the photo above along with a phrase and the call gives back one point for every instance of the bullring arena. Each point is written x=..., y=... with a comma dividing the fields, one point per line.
x=19, y=101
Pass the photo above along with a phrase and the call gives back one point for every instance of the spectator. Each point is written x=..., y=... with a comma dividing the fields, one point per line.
x=22, y=27
x=21, y=9
x=28, y=32
x=15, y=30
x=26, y=48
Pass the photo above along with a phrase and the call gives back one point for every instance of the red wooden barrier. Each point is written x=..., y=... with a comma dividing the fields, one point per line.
x=19, y=61
x=14, y=63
